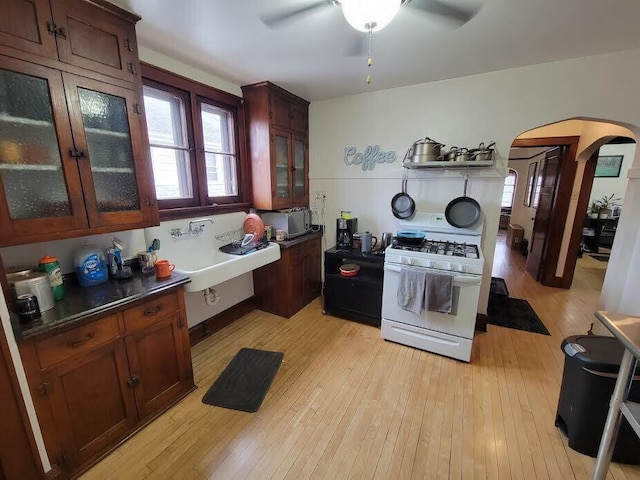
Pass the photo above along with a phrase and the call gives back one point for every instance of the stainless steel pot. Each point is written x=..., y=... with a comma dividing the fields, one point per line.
x=463, y=155
x=483, y=153
x=424, y=150
x=387, y=238
x=450, y=156
x=35, y=283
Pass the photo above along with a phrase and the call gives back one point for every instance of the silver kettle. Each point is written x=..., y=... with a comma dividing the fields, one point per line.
x=386, y=240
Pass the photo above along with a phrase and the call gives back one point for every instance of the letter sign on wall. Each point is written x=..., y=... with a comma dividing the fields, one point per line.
x=368, y=159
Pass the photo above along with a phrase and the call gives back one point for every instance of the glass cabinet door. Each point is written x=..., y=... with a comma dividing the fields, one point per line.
x=300, y=172
x=39, y=180
x=106, y=132
x=282, y=165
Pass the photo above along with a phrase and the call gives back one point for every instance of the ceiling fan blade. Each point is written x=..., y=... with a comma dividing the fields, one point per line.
x=457, y=15
x=283, y=17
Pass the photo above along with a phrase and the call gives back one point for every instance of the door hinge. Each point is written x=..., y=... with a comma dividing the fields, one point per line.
x=149, y=201
x=55, y=30
x=131, y=68
x=44, y=388
x=137, y=108
x=127, y=45
x=75, y=153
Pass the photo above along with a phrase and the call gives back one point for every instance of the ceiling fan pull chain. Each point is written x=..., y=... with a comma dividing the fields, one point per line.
x=370, y=59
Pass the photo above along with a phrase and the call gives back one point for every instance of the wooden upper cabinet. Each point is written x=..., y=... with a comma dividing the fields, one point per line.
x=76, y=157
x=24, y=25
x=94, y=39
x=108, y=136
x=278, y=145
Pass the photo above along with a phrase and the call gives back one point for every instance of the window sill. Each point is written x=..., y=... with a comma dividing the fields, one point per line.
x=187, y=212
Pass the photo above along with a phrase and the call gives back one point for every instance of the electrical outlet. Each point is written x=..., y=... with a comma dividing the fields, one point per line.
x=320, y=195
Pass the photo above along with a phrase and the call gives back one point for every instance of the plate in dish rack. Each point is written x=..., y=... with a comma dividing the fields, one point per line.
x=253, y=224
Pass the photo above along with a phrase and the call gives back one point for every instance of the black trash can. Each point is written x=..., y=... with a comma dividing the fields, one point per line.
x=591, y=367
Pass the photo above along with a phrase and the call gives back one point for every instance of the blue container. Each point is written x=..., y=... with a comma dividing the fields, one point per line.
x=90, y=265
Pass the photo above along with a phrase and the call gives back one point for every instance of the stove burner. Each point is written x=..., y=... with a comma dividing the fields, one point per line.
x=440, y=247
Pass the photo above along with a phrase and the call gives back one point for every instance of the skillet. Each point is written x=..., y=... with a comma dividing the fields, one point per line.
x=463, y=212
x=402, y=205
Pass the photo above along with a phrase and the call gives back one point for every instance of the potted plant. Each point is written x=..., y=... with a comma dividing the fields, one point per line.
x=606, y=205
x=594, y=210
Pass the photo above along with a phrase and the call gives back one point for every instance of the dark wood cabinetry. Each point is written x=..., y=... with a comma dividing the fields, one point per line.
x=285, y=286
x=71, y=105
x=94, y=384
x=278, y=145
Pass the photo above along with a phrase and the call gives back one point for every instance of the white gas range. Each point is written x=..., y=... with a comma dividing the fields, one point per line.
x=445, y=249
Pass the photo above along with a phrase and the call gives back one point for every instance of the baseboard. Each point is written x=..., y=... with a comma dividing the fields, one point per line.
x=481, y=322
x=216, y=323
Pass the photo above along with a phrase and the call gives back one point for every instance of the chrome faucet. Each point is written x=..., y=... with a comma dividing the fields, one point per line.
x=196, y=227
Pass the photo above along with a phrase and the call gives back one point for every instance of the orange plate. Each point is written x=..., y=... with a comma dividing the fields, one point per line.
x=253, y=224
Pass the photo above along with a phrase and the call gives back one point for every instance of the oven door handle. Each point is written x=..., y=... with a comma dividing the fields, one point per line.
x=459, y=279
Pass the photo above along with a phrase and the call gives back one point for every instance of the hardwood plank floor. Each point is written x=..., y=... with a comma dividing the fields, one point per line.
x=346, y=404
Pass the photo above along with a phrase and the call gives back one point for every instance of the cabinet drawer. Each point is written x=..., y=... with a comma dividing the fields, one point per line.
x=149, y=312
x=77, y=341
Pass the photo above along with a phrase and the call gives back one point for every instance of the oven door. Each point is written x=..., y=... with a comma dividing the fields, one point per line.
x=460, y=322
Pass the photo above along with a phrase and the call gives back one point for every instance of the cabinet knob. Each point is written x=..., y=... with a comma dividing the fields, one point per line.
x=133, y=381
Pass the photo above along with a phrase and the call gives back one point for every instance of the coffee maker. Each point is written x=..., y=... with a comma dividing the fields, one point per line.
x=345, y=229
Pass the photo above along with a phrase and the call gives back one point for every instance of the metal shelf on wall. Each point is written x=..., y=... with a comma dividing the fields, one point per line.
x=448, y=164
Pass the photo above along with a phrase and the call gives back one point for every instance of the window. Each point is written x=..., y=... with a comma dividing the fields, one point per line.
x=194, y=139
x=509, y=189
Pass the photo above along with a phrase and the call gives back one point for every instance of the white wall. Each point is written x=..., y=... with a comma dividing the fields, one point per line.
x=464, y=111
x=605, y=186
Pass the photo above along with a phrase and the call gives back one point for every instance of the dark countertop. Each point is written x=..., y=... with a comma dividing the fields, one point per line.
x=377, y=256
x=301, y=239
x=80, y=303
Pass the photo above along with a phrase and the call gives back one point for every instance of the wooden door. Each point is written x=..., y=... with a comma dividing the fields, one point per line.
x=25, y=25
x=116, y=177
x=95, y=39
x=92, y=402
x=312, y=270
x=158, y=364
x=281, y=169
x=544, y=212
x=300, y=172
x=40, y=190
x=17, y=447
x=300, y=118
x=279, y=114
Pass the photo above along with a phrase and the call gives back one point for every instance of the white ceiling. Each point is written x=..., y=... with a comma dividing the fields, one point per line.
x=227, y=39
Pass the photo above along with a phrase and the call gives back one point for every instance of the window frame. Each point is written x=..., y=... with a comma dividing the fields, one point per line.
x=514, y=173
x=195, y=93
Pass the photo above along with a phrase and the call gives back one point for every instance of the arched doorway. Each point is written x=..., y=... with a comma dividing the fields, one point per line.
x=556, y=200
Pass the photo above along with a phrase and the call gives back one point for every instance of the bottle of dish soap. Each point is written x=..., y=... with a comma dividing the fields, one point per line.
x=90, y=265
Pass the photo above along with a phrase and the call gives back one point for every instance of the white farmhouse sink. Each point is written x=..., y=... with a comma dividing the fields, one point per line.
x=207, y=269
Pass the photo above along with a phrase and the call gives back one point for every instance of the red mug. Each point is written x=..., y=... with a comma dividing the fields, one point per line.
x=164, y=268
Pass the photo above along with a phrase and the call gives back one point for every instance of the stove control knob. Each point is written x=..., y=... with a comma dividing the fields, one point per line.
x=462, y=268
x=429, y=264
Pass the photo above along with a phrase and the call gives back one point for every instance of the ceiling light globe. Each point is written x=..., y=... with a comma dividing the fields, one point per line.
x=362, y=13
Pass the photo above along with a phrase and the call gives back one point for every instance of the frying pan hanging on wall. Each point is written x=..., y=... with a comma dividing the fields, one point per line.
x=402, y=205
x=463, y=212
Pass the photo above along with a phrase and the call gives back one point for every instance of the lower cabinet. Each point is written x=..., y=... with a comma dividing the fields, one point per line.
x=97, y=383
x=285, y=286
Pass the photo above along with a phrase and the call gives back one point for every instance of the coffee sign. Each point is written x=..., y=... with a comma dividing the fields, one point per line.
x=371, y=156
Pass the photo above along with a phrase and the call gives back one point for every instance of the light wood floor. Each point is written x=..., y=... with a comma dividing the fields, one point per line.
x=346, y=404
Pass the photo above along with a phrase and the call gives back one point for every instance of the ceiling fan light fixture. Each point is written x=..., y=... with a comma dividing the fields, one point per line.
x=370, y=15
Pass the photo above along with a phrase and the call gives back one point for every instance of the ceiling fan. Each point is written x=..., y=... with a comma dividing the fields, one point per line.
x=370, y=15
